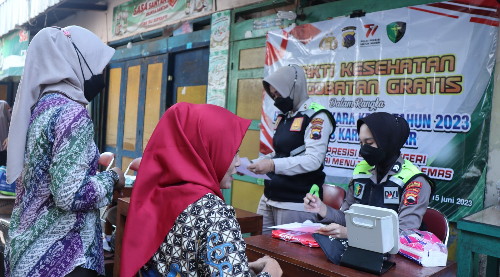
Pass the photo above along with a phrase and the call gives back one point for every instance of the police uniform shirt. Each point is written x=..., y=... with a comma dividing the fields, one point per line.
x=413, y=202
x=316, y=138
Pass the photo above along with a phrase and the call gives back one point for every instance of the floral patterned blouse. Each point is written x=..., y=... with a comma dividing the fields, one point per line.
x=55, y=224
x=204, y=241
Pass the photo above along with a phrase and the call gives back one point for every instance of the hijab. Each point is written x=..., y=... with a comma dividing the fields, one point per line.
x=186, y=157
x=52, y=64
x=390, y=133
x=4, y=120
x=289, y=81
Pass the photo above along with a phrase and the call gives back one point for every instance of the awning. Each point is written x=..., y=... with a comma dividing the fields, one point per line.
x=41, y=13
x=13, y=48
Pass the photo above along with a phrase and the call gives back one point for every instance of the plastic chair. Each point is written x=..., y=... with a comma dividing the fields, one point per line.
x=134, y=165
x=106, y=159
x=333, y=195
x=437, y=223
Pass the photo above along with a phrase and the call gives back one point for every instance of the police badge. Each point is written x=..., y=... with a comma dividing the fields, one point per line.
x=396, y=31
x=348, y=36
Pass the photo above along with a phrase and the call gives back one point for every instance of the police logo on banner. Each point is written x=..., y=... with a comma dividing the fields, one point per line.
x=329, y=42
x=348, y=36
x=396, y=31
x=391, y=195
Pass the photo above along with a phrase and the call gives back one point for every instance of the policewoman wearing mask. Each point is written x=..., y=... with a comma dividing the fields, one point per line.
x=383, y=179
x=55, y=226
x=300, y=140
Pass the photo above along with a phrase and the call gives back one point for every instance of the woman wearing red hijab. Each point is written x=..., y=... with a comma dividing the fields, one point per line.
x=178, y=223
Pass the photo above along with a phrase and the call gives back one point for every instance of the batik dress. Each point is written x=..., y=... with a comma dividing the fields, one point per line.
x=204, y=241
x=55, y=224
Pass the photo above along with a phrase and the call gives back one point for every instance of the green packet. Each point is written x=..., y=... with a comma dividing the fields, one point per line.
x=314, y=190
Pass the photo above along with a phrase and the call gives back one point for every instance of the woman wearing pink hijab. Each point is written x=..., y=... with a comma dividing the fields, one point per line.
x=178, y=222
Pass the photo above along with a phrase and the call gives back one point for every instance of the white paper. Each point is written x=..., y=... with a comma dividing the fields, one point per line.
x=307, y=226
x=129, y=180
x=242, y=170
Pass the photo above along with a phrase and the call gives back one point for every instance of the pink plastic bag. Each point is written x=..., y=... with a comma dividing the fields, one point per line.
x=296, y=236
x=422, y=247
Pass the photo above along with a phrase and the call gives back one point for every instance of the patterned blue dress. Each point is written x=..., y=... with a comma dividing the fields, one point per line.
x=204, y=241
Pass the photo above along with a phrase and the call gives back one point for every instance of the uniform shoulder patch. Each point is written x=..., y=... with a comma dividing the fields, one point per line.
x=359, y=188
x=414, y=185
x=317, y=121
x=411, y=193
x=316, y=132
x=396, y=167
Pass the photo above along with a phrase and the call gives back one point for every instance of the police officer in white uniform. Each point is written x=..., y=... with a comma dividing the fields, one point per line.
x=302, y=132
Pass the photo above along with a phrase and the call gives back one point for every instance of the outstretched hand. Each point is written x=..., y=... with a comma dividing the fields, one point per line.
x=262, y=167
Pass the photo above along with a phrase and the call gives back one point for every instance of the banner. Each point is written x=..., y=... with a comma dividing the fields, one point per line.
x=139, y=15
x=219, y=58
x=13, y=53
x=432, y=64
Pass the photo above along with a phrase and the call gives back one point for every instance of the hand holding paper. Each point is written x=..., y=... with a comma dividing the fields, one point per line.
x=243, y=170
x=262, y=166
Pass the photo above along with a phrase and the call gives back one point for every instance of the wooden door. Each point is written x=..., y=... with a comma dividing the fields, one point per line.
x=188, y=77
x=136, y=100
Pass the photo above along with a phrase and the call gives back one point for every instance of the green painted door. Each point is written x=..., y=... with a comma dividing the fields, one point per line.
x=245, y=100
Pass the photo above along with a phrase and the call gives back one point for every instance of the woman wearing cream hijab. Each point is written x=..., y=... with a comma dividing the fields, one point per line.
x=55, y=227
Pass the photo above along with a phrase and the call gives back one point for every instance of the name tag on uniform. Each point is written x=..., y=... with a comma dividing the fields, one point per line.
x=278, y=120
x=297, y=124
x=391, y=195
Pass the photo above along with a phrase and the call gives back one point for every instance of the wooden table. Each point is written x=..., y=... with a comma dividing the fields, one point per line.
x=297, y=260
x=249, y=223
x=479, y=233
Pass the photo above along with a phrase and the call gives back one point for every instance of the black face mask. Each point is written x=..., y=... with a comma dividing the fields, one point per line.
x=93, y=86
x=284, y=104
x=372, y=155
